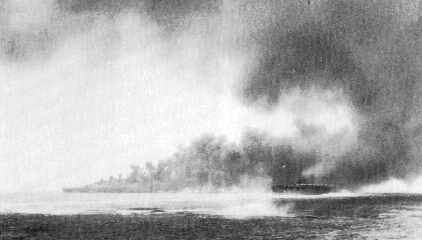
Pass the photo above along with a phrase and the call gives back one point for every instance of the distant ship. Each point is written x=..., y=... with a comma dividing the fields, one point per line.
x=303, y=187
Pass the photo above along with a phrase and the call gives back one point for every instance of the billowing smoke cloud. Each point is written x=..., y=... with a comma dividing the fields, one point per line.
x=328, y=89
x=368, y=49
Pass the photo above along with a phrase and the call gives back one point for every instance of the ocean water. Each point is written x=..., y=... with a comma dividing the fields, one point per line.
x=373, y=216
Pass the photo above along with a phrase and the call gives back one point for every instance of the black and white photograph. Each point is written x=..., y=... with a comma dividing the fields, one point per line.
x=211, y=119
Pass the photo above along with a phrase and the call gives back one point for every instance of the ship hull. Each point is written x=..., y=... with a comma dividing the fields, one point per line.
x=302, y=189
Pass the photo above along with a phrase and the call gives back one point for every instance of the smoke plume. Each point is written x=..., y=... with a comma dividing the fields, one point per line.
x=325, y=89
x=370, y=51
x=360, y=58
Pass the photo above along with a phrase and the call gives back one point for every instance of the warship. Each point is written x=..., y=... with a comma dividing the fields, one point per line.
x=303, y=186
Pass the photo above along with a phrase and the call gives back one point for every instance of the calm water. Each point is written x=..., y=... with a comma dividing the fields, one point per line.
x=373, y=216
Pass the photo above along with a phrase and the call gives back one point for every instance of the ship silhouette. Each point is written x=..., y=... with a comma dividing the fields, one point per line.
x=303, y=186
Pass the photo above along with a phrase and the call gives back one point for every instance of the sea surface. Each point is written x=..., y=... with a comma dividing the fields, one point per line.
x=370, y=216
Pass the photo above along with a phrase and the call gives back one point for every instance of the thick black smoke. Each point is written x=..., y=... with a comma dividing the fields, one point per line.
x=368, y=49
x=212, y=162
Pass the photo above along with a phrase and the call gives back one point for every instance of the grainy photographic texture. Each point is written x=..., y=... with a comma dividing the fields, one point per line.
x=218, y=119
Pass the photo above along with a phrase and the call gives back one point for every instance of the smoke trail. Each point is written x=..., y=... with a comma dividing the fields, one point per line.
x=394, y=185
